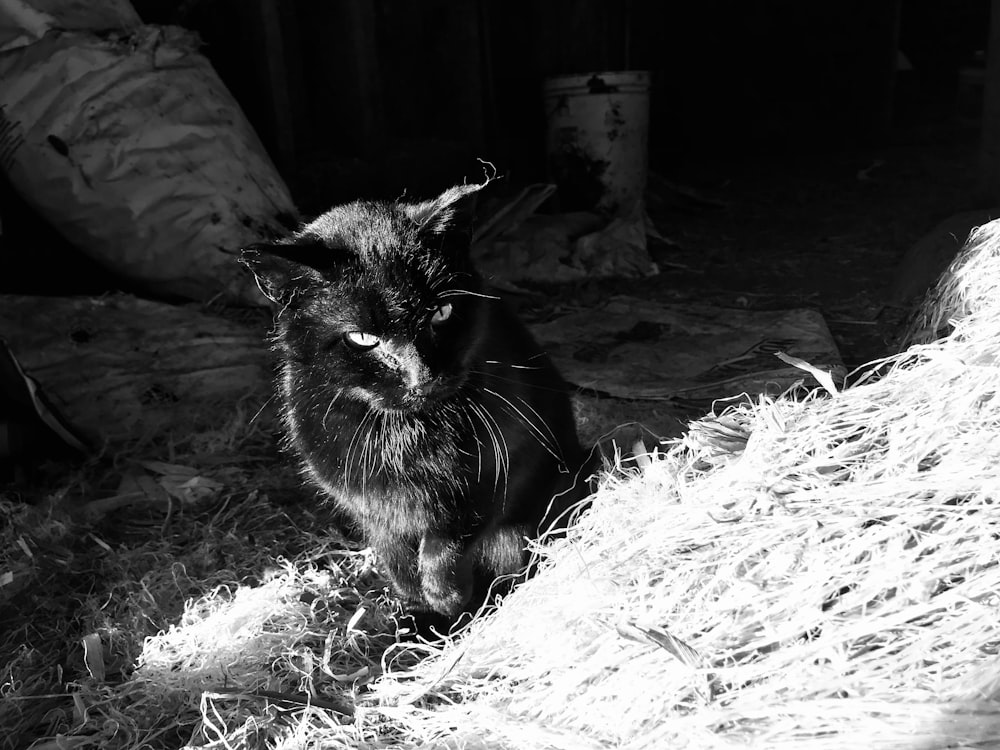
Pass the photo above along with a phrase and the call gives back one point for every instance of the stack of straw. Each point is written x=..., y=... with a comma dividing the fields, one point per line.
x=812, y=571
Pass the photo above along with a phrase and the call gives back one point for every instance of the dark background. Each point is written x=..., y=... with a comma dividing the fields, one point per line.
x=373, y=96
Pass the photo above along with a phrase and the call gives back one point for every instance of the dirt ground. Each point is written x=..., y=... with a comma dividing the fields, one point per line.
x=826, y=231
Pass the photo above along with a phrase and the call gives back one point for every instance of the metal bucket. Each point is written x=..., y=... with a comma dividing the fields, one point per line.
x=598, y=139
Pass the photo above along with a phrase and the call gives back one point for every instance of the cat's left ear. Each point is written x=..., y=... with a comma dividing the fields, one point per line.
x=279, y=276
x=452, y=211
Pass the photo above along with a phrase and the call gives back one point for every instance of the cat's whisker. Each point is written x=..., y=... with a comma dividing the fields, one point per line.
x=466, y=293
x=502, y=446
x=389, y=459
x=377, y=448
x=550, y=445
x=368, y=457
x=496, y=453
x=349, y=463
x=547, y=441
x=513, y=367
x=366, y=445
x=552, y=437
x=351, y=447
x=326, y=414
x=381, y=455
x=517, y=382
x=500, y=449
x=463, y=411
x=506, y=454
x=440, y=279
x=363, y=458
x=261, y=409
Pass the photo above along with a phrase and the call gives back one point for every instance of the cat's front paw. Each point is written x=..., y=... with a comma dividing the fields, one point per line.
x=447, y=590
x=447, y=597
x=445, y=577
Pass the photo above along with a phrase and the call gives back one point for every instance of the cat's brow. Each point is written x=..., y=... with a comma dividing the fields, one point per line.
x=438, y=278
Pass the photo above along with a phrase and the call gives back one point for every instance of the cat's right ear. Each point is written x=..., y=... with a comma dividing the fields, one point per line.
x=452, y=211
x=278, y=277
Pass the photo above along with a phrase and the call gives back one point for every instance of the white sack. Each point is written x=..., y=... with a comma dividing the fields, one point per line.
x=26, y=21
x=131, y=146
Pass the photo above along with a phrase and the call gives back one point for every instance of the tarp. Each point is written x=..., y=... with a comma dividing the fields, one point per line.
x=631, y=348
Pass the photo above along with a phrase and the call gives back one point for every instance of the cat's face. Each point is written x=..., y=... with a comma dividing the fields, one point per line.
x=378, y=302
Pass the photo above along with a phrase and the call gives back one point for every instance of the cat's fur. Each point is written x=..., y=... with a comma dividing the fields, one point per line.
x=445, y=441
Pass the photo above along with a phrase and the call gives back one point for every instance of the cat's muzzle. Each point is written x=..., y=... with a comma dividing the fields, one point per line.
x=418, y=397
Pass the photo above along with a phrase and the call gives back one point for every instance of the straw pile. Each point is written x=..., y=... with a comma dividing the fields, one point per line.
x=813, y=571
x=803, y=572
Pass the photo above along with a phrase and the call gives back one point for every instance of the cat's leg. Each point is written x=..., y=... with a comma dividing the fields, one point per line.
x=501, y=558
x=501, y=551
x=398, y=561
x=445, y=572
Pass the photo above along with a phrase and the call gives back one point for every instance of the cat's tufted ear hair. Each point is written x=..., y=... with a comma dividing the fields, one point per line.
x=283, y=270
x=451, y=211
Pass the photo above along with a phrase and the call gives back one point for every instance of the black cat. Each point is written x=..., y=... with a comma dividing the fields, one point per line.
x=418, y=402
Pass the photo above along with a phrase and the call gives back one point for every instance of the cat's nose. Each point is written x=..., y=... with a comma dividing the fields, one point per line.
x=417, y=379
x=406, y=360
x=417, y=396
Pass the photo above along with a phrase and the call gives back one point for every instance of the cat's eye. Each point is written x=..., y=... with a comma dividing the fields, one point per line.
x=441, y=314
x=361, y=340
